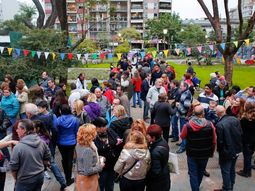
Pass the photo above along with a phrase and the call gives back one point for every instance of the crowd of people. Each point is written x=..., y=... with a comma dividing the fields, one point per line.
x=94, y=130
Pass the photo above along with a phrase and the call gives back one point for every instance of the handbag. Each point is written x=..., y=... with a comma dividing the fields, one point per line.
x=119, y=176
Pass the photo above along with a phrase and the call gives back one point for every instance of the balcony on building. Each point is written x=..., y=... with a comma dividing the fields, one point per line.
x=136, y=1
x=71, y=8
x=167, y=1
x=121, y=9
x=165, y=5
x=70, y=1
x=116, y=19
x=137, y=8
x=136, y=18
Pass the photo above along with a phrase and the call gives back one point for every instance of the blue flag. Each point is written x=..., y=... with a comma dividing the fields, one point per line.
x=62, y=56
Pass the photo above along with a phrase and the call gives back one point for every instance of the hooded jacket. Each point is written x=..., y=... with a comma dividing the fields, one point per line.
x=67, y=126
x=130, y=156
x=93, y=110
x=198, y=132
x=121, y=125
x=27, y=158
x=10, y=105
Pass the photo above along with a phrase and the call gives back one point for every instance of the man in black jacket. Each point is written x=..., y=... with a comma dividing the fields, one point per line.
x=201, y=139
x=144, y=91
x=229, y=145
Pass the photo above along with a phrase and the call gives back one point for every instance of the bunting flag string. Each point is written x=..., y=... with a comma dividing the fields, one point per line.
x=102, y=56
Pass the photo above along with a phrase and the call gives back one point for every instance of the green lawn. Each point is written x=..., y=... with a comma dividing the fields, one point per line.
x=243, y=75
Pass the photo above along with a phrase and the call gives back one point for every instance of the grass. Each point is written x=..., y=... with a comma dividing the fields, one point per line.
x=243, y=75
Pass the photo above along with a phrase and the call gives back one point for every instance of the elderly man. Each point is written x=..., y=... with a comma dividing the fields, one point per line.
x=154, y=91
x=29, y=158
x=102, y=102
x=229, y=145
x=201, y=139
x=124, y=101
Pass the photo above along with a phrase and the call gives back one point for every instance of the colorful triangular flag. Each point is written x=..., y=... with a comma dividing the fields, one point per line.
x=189, y=51
x=211, y=47
x=119, y=56
x=53, y=55
x=199, y=48
x=235, y=43
x=39, y=53
x=78, y=56
x=17, y=51
x=33, y=53
x=86, y=56
x=166, y=52
x=247, y=42
x=46, y=54
x=110, y=56
x=154, y=53
x=62, y=56
x=223, y=46
x=9, y=51
x=25, y=52
x=177, y=50
x=70, y=56
x=2, y=49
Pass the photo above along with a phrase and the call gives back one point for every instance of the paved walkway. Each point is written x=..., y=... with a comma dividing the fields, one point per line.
x=180, y=182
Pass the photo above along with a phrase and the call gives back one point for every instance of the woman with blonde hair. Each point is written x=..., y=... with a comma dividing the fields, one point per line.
x=22, y=96
x=92, y=108
x=123, y=123
x=88, y=162
x=133, y=163
x=138, y=125
x=79, y=112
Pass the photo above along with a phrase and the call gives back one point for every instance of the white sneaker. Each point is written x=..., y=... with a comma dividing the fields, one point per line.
x=46, y=175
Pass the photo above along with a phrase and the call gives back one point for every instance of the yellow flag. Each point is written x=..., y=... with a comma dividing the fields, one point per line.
x=154, y=54
x=235, y=43
x=223, y=60
x=9, y=51
x=238, y=60
x=166, y=53
x=119, y=56
x=53, y=55
x=247, y=42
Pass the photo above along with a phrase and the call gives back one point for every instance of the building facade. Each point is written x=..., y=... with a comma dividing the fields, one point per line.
x=110, y=17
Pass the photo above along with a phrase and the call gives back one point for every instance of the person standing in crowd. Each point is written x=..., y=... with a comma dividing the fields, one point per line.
x=137, y=83
x=74, y=95
x=248, y=94
x=60, y=99
x=11, y=82
x=63, y=88
x=81, y=82
x=158, y=177
x=205, y=97
x=229, y=145
x=220, y=92
x=108, y=91
x=169, y=72
x=109, y=114
x=156, y=73
x=102, y=102
x=201, y=140
x=190, y=69
x=154, y=91
x=80, y=113
x=106, y=141
x=133, y=163
x=144, y=91
x=67, y=126
x=112, y=80
x=92, y=108
x=44, y=82
x=123, y=99
x=248, y=129
x=38, y=95
x=161, y=114
x=95, y=84
x=122, y=123
x=22, y=96
x=88, y=162
x=50, y=92
x=126, y=84
x=28, y=158
x=182, y=107
x=10, y=105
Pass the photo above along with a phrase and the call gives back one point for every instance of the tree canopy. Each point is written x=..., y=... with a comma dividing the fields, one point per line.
x=130, y=34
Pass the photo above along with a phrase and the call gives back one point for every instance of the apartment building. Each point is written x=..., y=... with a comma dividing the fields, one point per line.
x=110, y=17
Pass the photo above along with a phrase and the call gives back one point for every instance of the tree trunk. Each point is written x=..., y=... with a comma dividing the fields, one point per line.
x=62, y=16
x=228, y=69
x=40, y=19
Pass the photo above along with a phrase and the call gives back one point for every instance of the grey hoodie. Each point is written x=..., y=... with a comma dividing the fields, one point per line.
x=27, y=158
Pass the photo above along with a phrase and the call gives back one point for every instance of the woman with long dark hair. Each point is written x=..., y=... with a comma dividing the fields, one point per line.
x=59, y=100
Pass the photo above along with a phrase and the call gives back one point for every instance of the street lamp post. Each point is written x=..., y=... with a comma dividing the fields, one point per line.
x=165, y=32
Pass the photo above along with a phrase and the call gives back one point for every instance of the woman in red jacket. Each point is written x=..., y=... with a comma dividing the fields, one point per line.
x=137, y=83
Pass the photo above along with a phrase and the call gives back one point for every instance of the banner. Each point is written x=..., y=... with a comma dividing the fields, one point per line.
x=9, y=51
x=177, y=50
x=247, y=42
x=46, y=54
x=199, y=48
x=53, y=55
x=119, y=56
x=26, y=52
x=154, y=53
x=166, y=52
x=78, y=56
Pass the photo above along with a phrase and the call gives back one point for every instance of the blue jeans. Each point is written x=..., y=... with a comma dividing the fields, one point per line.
x=106, y=180
x=138, y=97
x=57, y=173
x=228, y=173
x=176, y=129
x=146, y=109
x=247, y=157
x=13, y=121
x=196, y=169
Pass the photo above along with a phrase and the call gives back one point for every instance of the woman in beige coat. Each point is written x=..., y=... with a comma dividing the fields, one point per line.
x=133, y=163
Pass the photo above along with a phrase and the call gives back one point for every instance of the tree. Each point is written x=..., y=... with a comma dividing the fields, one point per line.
x=130, y=34
x=103, y=39
x=192, y=35
x=87, y=45
x=171, y=22
x=243, y=33
x=123, y=48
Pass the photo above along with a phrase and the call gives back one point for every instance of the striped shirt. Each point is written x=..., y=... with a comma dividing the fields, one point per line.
x=205, y=99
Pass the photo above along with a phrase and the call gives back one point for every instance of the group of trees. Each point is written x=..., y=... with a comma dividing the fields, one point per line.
x=41, y=36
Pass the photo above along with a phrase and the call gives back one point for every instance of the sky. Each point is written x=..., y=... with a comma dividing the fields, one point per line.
x=189, y=8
